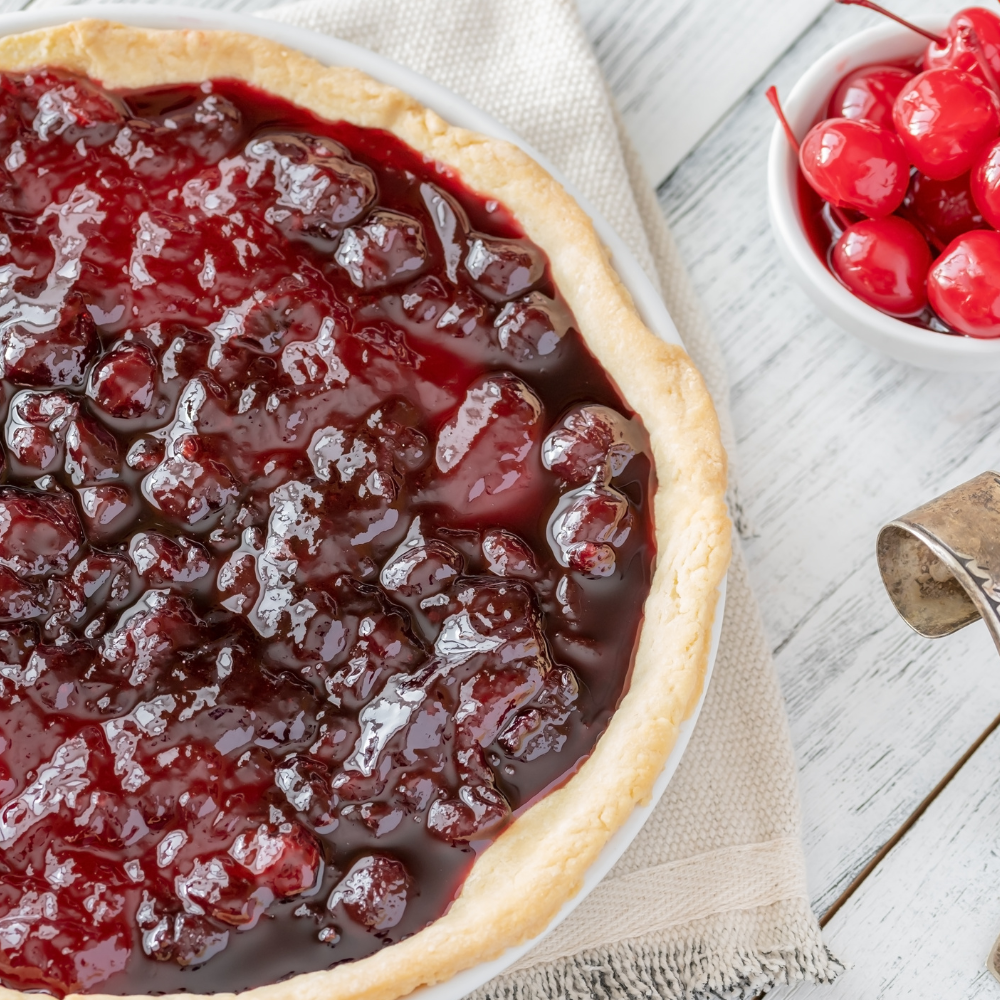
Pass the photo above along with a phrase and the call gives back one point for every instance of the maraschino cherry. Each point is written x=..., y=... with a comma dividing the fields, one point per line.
x=985, y=184
x=971, y=42
x=959, y=50
x=964, y=284
x=942, y=210
x=854, y=164
x=869, y=93
x=851, y=164
x=884, y=262
x=944, y=117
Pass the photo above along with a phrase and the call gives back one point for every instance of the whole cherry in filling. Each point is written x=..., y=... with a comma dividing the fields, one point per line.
x=323, y=537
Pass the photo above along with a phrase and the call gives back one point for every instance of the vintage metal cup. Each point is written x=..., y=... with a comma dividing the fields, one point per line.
x=941, y=566
x=941, y=562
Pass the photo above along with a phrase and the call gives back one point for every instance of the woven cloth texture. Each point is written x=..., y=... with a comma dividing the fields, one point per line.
x=710, y=899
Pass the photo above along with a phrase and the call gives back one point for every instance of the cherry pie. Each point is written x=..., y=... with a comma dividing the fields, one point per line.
x=358, y=544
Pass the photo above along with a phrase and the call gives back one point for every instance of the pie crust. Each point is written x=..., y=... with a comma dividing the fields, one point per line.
x=518, y=885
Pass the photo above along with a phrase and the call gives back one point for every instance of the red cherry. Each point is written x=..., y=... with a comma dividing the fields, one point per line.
x=338, y=191
x=91, y=452
x=165, y=561
x=958, y=51
x=387, y=248
x=18, y=599
x=103, y=509
x=985, y=183
x=209, y=127
x=286, y=861
x=487, y=452
x=502, y=269
x=152, y=637
x=941, y=210
x=374, y=892
x=531, y=327
x=419, y=570
x=508, y=555
x=72, y=108
x=971, y=43
x=122, y=382
x=36, y=428
x=49, y=356
x=586, y=527
x=40, y=533
x=964, y=283
x=237, y=581
x=944, y=117
x=478, y=809
x=869, y=93
x=884, y=262
x=190, y=489
x=853, y=164
x=180, y=937
x=588, y=439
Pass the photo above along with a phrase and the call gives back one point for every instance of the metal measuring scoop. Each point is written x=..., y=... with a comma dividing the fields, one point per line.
x=941, y=566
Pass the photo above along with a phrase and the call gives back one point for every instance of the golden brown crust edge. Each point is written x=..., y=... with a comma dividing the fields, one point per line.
x=521, y=882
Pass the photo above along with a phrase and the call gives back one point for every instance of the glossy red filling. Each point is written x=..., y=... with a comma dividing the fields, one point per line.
x=323, y=537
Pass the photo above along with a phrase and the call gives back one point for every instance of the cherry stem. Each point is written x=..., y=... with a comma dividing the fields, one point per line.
x=838, y=213
x=895, y=17
x=972, y=38
x=772, y=95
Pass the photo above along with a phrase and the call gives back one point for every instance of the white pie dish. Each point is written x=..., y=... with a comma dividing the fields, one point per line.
x=451, y=107
x=804, y=106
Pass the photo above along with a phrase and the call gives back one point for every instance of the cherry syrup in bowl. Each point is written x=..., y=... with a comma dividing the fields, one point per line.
x=805, y=229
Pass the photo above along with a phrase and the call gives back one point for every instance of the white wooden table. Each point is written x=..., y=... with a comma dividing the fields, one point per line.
x=901, y=820
x=901, y=830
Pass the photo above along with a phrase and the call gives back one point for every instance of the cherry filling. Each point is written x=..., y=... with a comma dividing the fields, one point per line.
x=323, y=537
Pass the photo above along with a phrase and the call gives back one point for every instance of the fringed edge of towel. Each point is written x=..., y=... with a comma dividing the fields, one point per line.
x=690, y=966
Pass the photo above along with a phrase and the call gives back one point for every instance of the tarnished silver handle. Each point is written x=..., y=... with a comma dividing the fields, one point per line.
x=941, y=562
x=941, y=566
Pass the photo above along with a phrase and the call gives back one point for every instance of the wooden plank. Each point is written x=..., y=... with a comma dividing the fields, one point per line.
x=833, y=441
x=922, y=924
x=676, y=66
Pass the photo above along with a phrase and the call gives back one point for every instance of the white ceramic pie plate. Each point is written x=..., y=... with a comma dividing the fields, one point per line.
x=458, y=111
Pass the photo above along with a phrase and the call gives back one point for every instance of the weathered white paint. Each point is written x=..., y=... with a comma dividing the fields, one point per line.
x=833, y=441
x=923, y=922
x=677, y=66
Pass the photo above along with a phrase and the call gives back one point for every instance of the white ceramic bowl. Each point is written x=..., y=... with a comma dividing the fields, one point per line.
x=806, y=103
x=333, y=51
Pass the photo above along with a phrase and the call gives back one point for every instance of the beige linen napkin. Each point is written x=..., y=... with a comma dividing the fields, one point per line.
x=711, y=897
